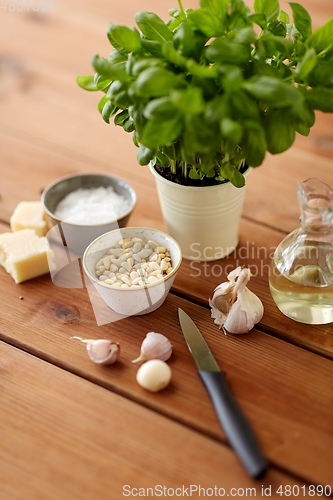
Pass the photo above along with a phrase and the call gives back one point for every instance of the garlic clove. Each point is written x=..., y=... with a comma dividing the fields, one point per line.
x=233, y=306
x=154, y=375
x=154, y=346
x=101, y=351
x=225, y=295
x=245, y=313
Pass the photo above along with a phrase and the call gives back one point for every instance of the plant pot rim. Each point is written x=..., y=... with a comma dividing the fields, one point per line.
x=224, y=185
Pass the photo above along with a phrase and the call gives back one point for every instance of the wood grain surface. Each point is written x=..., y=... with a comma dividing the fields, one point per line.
x=72, y=430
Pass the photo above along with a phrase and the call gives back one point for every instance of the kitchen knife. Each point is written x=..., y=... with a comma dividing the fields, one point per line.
x=232, y=419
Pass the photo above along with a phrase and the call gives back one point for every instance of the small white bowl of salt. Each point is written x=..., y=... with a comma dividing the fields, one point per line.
x=81, y=207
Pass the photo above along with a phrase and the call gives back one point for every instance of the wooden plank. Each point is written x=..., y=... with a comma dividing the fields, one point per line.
x=266, y=375
x=271, y=195
x=195, y=281
x=64, y=437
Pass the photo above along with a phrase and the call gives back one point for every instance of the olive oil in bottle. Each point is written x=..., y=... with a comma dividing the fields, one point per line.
x=301, y=273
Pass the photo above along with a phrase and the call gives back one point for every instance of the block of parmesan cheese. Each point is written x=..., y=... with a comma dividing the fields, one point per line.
x=29, y=215
x=25, y=255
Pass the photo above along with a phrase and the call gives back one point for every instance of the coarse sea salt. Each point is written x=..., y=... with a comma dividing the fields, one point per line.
x=92, y=206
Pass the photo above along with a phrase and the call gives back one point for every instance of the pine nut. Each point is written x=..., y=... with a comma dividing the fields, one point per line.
x=134, y=262
x=107, y=262
x=116, y=262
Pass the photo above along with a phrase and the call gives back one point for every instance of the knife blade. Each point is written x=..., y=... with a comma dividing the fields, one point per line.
x=236, y=426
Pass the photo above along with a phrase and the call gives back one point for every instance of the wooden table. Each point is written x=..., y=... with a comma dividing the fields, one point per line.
x=70, y=429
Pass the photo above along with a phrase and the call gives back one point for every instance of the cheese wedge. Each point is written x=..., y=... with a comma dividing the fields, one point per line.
x=29, y=215
x=24, y=255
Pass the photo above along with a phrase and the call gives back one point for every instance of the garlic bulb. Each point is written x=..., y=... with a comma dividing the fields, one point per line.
x=154, y=346
x=154, y=375
x=102, y=351
x=234, y=307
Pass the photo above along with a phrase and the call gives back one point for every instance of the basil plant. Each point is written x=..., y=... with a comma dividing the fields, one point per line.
x=211, y=90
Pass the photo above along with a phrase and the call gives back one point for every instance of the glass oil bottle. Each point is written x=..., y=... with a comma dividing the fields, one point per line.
x=301, y=273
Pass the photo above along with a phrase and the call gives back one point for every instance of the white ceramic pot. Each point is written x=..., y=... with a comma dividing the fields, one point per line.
x=204, y=220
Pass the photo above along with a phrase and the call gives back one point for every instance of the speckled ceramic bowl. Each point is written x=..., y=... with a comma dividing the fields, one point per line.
x=142, y=299
x=77, y=237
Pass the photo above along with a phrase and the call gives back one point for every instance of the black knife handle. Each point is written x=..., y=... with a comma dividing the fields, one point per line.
x=234, y=423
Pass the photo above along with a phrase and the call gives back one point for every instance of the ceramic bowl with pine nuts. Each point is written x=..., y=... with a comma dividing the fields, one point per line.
x=133, y=268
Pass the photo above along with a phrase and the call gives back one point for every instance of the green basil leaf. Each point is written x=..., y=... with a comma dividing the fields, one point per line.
x=306, y=65
x=154, y=48
x=189, y=101
x=278, y=28
x=200, y=137
x=128, y=39
x=201, y=71
x=302, y=19
x=246, y=36
x=174, y=13
x=284, y=17
x=162, y=160
x=302, y=129
x=322, y=74
x=244, y=106
x=144, y=155
x=206, y=22
x=221, y=50
x=194, y=174
x=114, y=43
x=155, y=82
x=217, y=7
x=188, y=42
x=259, y=19
x=231, y=130
x=320, y=98
x=232, y=77
x=145, y=63
x=160, y=108
x=121, y=117
x=108, y=110
x=301, y=111
x=128, y=125
x=87, y=83
x=173, y=56
x=138, y=118
x=153, y=27
x=135, y=138
x=161, y=132
x=238, y=15
x=253, y=143
x=102, y=103
x=106, y=69
x=280, y=132
x=270, y=8
x=117, y=57
x=102, y=83
x=230, y=172
x=322, y=38
x=271, y=91
x=217, y=109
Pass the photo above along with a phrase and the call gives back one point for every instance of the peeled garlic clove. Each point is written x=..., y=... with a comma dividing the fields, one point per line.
x=154, y=375
x=155, y=346
x=102, y=351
